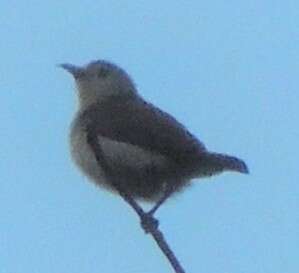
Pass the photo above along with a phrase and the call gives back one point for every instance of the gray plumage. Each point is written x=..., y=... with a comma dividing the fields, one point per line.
x=148, y=151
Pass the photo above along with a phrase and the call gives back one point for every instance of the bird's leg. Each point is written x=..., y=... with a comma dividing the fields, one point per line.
x=166, y=194
x=128, y=198
x=147, y=220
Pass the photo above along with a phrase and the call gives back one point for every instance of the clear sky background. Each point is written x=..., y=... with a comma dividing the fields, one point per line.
x=226, y=69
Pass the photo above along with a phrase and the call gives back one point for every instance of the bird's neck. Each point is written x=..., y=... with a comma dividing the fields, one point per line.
x=86, y=101
x=88, y=98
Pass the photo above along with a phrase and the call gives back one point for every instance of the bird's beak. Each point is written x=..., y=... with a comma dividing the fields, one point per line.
x=76, y=71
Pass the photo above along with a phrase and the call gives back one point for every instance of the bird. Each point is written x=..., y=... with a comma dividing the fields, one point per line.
x=124, y=143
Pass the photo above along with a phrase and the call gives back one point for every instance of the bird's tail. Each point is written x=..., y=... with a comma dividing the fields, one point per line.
x=213, y=163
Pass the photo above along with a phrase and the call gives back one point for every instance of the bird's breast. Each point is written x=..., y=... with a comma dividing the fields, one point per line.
x=83, y=155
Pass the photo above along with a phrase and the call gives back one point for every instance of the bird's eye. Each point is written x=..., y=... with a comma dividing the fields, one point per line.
x=103, y=73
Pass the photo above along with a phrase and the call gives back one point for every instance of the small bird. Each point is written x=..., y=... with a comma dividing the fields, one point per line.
x=124, y=143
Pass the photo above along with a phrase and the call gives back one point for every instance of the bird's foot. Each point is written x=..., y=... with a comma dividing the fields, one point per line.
x=149, y=223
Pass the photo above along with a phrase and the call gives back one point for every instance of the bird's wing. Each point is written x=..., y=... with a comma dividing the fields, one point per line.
x=139, y=123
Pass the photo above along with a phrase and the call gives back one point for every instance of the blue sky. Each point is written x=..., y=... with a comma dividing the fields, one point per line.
x=227, y=69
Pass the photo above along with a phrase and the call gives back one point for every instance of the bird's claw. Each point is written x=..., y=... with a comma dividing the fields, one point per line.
x=149, y=223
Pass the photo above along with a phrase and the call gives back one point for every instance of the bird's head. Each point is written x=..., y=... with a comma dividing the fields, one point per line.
x=99, y=80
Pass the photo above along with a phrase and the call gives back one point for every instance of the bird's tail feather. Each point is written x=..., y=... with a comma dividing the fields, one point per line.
x=213, y=163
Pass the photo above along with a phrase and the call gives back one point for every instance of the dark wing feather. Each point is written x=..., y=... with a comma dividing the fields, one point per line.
x=139, y=123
